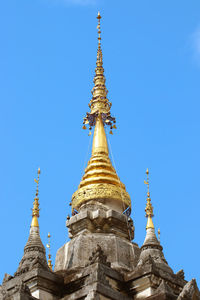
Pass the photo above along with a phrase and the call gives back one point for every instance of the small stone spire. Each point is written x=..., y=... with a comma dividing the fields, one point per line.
x=100, y=181
x=150, y=230
x=35, y=210
x=151, y=246
x=49, y=255
x=149, y=207
x=34, y=251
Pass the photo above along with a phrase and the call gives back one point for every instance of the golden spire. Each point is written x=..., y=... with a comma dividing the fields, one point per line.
x=149, y=207
x=49, y=255
x=35, y=210
x=100, y=181
x=99, y=139
x=99, y=104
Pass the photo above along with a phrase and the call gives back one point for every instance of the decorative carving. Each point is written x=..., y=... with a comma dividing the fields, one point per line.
x=39, y=262
x=22, y=288
x=21, y=271
x=181, y=274
x=32, y=262
x=190, y=291
x=164, y=288
x=99, y=192
x=148, y=261
x=98, y=256
x=7, y=277
x=96, y=217
x=35, y=248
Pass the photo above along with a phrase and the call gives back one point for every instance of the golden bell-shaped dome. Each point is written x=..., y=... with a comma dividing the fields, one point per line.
x=100, y=181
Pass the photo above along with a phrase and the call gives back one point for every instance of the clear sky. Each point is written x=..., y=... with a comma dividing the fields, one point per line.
x=151, y=55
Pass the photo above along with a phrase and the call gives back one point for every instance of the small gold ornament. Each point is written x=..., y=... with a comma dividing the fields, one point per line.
x=111, y=132
x=84, y=127
x=159, y=235
x=49, y=255
x=114, y=126
x=149, y=207
x=35, y=210
x=89, y=133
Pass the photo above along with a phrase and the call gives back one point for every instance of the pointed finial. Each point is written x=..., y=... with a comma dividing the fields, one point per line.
x=99, y=27
x=149, y=207
x=35, y=210
x=49, y=255
x=99, y=104
x=159, y=235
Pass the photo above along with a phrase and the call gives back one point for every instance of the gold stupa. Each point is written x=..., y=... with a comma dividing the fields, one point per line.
x=100, y=181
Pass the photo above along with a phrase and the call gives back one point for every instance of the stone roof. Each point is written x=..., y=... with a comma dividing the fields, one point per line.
x=34, y=253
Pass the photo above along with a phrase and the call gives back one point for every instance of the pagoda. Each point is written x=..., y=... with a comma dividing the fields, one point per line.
x=100, y=261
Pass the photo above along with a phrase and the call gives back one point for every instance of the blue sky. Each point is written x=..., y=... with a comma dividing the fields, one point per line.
x=151, y=55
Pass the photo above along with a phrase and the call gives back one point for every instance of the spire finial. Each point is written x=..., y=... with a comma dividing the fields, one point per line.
x=149, y=207
x=35, y=210
x=100, y=180
x=99, y=28
x=49, y=255
x=159, y=235
x=99, y=104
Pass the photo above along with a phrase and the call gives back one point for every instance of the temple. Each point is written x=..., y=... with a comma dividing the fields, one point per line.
x=100, y=261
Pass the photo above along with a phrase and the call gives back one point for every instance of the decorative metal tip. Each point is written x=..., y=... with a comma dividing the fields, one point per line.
x=149, y=207
x=35, y=209
x=99, y=28
x=98, y=16
x=159, y=235
x=49, y=255
x=99, y=104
